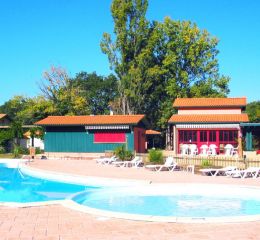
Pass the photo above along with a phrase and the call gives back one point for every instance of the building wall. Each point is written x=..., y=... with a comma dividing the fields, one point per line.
x=193, y=111
x=77, y=139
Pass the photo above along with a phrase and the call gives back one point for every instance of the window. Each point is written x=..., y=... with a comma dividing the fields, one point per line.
x=203, y=136
x=186, y=136
x=108, y=137
x=212, y=136
x=227, y=136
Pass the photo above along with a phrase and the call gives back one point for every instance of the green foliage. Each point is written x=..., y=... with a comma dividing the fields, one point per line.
x=253, y=111
x=27, y=110
x=17, y=131
x=38, y=150
x=5, y=136
x=132, y=33
x=122, y=153
x=156, y=62
x=155, y=156
x=14, y=106
x=2, y=150
x=206, y=163
x=153, y=62
x=84, y=94
x=60, y=90
x=98, y=91
x=18, y=150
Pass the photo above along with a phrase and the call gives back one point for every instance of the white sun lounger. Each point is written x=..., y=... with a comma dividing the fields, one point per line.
x=136, y=162
x=169, y=164
x=249, y=172
x=218, y=171
x=106, y=161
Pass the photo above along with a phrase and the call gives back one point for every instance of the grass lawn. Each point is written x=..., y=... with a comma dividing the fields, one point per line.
x=6, y=155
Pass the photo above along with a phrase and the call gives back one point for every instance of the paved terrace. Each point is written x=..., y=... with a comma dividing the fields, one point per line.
x=55, y=222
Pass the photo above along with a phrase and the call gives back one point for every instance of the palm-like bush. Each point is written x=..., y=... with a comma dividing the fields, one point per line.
x=155, y=156
x=122, y=153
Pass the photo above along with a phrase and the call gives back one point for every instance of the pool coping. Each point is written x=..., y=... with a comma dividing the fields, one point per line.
x=112, y=182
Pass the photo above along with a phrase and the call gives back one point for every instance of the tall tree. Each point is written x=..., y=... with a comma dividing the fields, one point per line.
x=98, y=91
x=27, y=110
x=14, y=106
x=253, y=111
x=156, y=62
x=190, y=64
x=65, y=97
x=17, y=131
x=132, y=31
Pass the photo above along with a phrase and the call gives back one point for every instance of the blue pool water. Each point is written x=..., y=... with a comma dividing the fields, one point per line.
x=193, y=201
x=179, y=205
x=18, y=187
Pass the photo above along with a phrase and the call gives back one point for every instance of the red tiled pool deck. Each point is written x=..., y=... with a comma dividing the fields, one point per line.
x=54, y=222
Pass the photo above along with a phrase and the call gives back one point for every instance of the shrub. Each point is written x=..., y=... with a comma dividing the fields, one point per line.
x=155, y=156
x=205, y=163
x=122, y=153
x=38, y=150
x=17, y=150
x=2, y=150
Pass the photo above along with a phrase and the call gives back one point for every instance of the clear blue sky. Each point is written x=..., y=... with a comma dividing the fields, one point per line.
x=35, y=34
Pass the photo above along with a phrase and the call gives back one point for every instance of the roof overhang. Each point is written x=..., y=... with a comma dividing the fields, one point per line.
x=92, y=120
x=209, y=102
x=97, y=127
x=250, y=124
x=152, y=132
x=208, y=126
x=208, y=118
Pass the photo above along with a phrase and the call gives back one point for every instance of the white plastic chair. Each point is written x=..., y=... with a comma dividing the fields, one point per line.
x=204, y=150
x=235, y=151
x=212, y=150
x=193, y=149
x=228, y=150
x=184, y=149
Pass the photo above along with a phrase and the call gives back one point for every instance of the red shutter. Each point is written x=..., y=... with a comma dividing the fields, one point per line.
x=104, y=137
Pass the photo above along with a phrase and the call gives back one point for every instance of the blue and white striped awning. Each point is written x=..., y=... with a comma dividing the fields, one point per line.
x=198, y=126
x=94, y=127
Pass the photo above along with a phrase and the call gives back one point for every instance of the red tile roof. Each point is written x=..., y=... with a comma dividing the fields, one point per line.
x=209, y=118
x=152, y=132
x=210, y=102
x=91, y=120
x=2, y=115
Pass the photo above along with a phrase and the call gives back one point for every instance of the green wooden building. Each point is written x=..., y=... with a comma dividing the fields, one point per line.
x=93, y=134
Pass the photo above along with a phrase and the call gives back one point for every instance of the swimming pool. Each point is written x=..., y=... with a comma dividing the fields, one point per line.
x=197, y=201
x=135, y=200
x=15, y=186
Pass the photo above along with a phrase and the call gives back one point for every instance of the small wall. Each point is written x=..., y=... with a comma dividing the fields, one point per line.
x=72, y=155
x=251, y=155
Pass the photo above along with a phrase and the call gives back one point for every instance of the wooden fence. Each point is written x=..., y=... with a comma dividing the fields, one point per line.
x=218, y=161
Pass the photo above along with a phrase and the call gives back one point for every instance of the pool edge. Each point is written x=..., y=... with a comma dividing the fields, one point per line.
x=68, y=203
